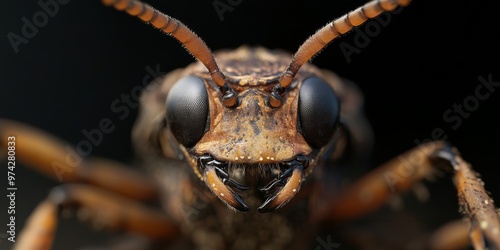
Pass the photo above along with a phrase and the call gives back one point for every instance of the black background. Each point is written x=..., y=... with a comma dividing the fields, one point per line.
x=426, y=59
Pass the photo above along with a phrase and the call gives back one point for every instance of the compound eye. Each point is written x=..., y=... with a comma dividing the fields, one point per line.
x=319, y=110
x=187, y=110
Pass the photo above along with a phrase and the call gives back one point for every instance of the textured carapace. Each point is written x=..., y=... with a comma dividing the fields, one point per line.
x=262, y=113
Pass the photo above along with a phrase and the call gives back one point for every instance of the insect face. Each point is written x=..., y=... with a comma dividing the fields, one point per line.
x=83, y=97
x=258, y=115
x=267, y=145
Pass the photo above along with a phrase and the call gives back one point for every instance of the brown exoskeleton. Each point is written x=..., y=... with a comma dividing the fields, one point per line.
x=218, y=125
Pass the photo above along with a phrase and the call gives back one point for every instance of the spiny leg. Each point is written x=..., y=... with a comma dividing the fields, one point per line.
x=373, y=190
x=402, y=173
x=476, y=205
x=104, y=209
x=58, y=160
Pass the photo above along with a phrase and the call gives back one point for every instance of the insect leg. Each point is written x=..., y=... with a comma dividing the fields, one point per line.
x=102, y=208
x=475, y=204
x=452, y=235
x=403, y=172
x=58, y=160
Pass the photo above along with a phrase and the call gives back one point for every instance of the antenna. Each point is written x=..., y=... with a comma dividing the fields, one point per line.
x=190, y=41
x=314, y=44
